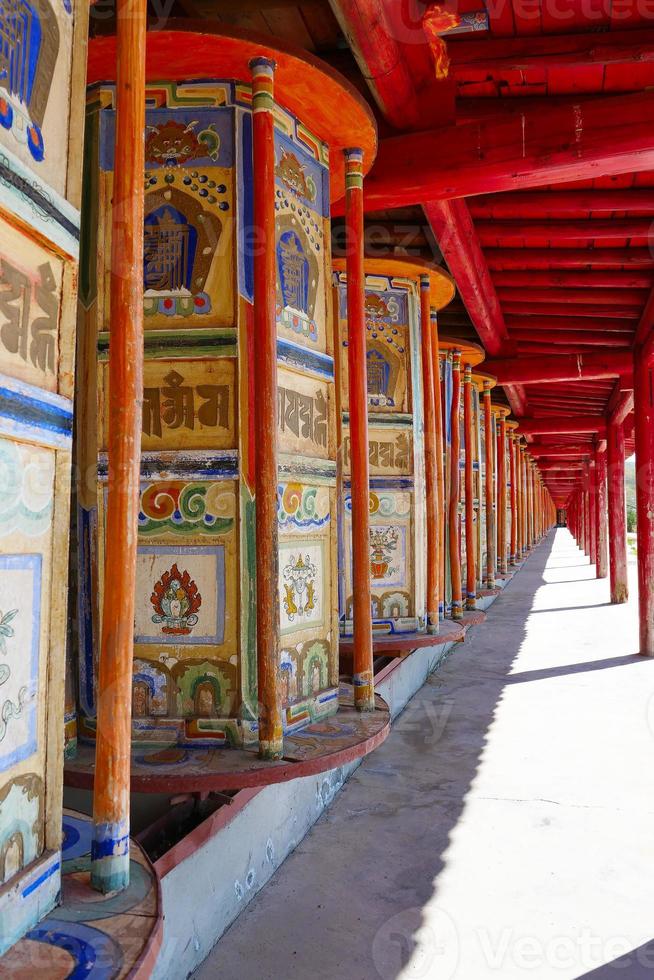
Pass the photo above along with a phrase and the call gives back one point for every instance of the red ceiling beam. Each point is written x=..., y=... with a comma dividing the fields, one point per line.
x=628, y=279
x=455, y=234
x=381, y=61
x=608, y=324
x=546, y=370
x=451, y=223
x=560, y=204
x=522, y=54
x=592, y=311
x=582, y=300
x=572, y=337
x=624, y=406
x=573, y=141
x=530, y=233
x=570, y=258
x=560, y=451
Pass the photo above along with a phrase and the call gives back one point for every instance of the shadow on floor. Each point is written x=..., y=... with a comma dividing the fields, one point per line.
x=350, y=902
x=638, y=964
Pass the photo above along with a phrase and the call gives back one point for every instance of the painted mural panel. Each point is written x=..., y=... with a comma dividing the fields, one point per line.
x=189, y=232
x=30, y=296
x=307, y=595
x=26, y=511
x=21, y=824
x=186, y=615
x=387, y=346
x=392, y=560
x=301, y=206
x=35, y=72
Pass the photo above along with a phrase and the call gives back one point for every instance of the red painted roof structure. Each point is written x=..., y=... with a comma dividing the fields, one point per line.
x=537, y=179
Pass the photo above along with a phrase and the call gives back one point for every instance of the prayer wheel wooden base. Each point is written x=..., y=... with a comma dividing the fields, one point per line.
x=115, y=935
x=343, y=737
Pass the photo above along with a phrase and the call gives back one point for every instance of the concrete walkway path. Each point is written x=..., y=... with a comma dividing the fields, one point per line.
x=506, y=827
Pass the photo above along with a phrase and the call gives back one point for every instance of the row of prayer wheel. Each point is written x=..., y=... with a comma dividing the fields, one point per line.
x=448, y=487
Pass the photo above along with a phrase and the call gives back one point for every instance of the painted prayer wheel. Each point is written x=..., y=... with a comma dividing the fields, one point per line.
x=458, y=358
x=42, y=57
x=205, y=432
x=400, y=295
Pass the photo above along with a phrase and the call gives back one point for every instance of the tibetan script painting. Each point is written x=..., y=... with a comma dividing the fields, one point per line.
x=303, y=415
x=30, y=294
x=186, y=404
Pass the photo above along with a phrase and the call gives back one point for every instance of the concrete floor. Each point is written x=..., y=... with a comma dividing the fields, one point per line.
x=505, y=828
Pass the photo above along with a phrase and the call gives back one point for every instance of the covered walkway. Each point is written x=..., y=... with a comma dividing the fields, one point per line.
x=504, y=829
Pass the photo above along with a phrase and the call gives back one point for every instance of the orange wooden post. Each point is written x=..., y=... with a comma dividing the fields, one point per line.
x=617, y=516
x=455, y=490
x=471, y=551
x=440, y=463
x=271, y=732
x=111, y=798
x=431, y=488
x=488, y=488
x=514, y=498
x=362, y=679
x=602, y=514
x=501, y=494
x=644, y=433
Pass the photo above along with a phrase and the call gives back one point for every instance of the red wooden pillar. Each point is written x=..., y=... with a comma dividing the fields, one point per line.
x=501, y=494
x=514, y=498
x=644, y=435
x=488, y=488
x=440, y=464
x=617, y=516
x=592, y=511
x=364, y=690
x=455, y=450
x=602, y=515
x=271, y=734
x=431, y=488
x=587, y=523
x=471, y=551
x=111, y=797
x=530, y=502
